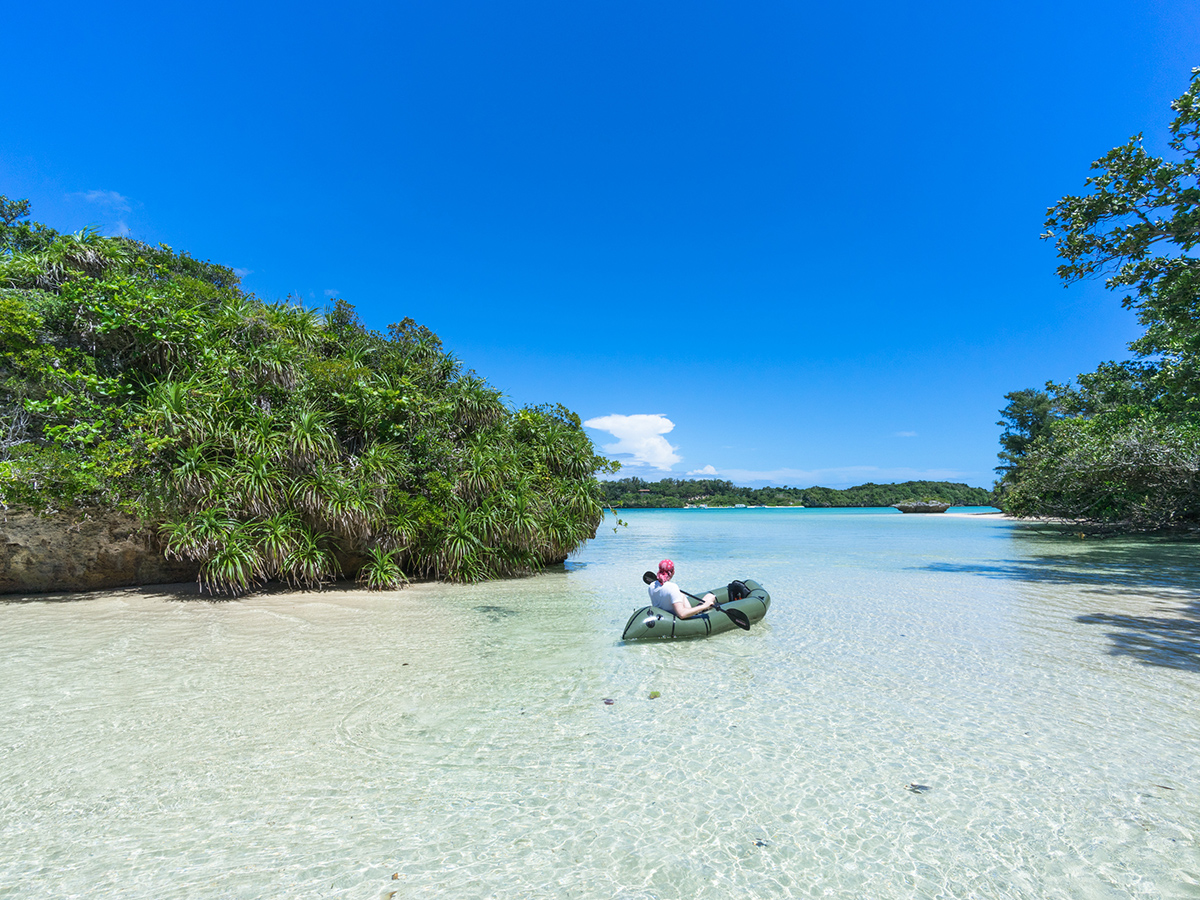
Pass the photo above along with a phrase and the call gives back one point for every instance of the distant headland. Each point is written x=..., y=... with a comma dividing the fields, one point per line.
x=677, y=493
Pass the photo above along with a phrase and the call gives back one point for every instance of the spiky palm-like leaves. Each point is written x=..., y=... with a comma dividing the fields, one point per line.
x=302, y=327
x=259, y=485
x=298, y=487
x=488, y=522
x=261, y=437
x=269, y=434
x=235, y=567
x=198, y=536
x=382, y=571
x=278, y=536
x=196, y=472
x=521, y=519
x=349, y=510
x=382, y=466
x=308, y=565
x=168, y=405
x=476, y=405
x=308, y=437
x=461, y=547
x=273, y=364
x=66, y=256
x=478, y=476
x=310, y=490
x=399, y=530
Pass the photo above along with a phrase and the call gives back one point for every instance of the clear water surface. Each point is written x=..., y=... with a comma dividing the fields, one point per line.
x=935, y=707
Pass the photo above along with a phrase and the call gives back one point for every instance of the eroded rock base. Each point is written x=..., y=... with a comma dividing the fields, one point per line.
x=77, y=551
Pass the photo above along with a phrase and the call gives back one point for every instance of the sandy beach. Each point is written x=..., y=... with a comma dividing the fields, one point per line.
x=960, y=708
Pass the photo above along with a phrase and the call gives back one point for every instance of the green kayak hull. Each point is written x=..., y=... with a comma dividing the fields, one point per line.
x=651, y=623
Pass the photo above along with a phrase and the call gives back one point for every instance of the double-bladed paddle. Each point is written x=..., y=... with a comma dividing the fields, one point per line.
x=739, y=618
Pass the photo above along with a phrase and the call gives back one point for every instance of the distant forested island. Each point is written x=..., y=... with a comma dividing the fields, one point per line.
x=634, y=493
x=265, y=440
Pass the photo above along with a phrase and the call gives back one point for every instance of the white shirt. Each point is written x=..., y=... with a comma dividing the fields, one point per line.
x=665, y=596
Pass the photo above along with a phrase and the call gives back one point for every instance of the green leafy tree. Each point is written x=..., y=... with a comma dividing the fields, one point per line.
x=1117, y=447
x=1138, y=226
x=271, y=441
x=1140, y=471
x=1026, y=418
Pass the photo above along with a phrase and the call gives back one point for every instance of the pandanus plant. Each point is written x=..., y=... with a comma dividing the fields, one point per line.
x=308, y=565
x=260, y=436
x=278, y=536
x=382, y=571
x=196, y=471
x=382, y=466
x=66, y=256
x=308, y=437
x=478, y=476
x=272, y=363
x=487, y=520
x=301, y=326
x=238, y=315
x=310, y=489
x=400, y=528
x=460, y=546
x=199, y=535
x=582, y=501
x=521, y=518
x=260, y=485
x=194, y=410
x=350, y=510
x=476, y=405
x=555, y=536
x=234, y=567
x=279, y=433
x=177, y=408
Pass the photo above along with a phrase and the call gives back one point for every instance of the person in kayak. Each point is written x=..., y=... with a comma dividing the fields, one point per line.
x=666, y=595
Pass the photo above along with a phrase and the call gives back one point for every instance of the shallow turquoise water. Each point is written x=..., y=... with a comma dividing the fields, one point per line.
x=1042, y=687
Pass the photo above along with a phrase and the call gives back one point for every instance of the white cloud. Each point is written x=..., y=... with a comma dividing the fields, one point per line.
x=242, y=273
x=905, y=434
x=110, y=199
x=114, y=205
x=640, y=436
x=332, y=292
x=707, y=470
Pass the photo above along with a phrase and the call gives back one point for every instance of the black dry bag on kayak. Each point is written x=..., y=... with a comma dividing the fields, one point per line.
x=737, y=590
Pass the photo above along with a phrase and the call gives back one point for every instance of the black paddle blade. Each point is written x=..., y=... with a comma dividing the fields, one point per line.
x=739, y=618
x=649, y=577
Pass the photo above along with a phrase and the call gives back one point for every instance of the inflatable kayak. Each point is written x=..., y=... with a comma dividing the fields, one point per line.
x=650, y=622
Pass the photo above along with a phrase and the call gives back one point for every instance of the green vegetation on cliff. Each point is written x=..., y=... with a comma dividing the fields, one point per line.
x=634, y=493
x=1122, y=446
x=272, y=441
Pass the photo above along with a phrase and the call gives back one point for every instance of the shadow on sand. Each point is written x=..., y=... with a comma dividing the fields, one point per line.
x=187, y=591
x=1164, y=573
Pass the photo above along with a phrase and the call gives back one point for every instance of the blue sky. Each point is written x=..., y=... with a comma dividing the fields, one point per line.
x=776, y=242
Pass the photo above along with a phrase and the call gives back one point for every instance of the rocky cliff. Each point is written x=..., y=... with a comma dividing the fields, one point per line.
x=74, y=551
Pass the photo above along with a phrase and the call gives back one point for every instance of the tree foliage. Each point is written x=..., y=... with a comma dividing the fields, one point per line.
x=1120, y=446
x=1142, y=472
x=1027, y=417
x=270, y=440
x=1138, y=226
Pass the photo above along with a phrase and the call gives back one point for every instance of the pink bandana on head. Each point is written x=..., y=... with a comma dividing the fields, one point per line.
x=666, y=570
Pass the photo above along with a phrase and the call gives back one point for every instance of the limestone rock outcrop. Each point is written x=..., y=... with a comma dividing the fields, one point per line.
x=77, y=551
x=921, y=506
